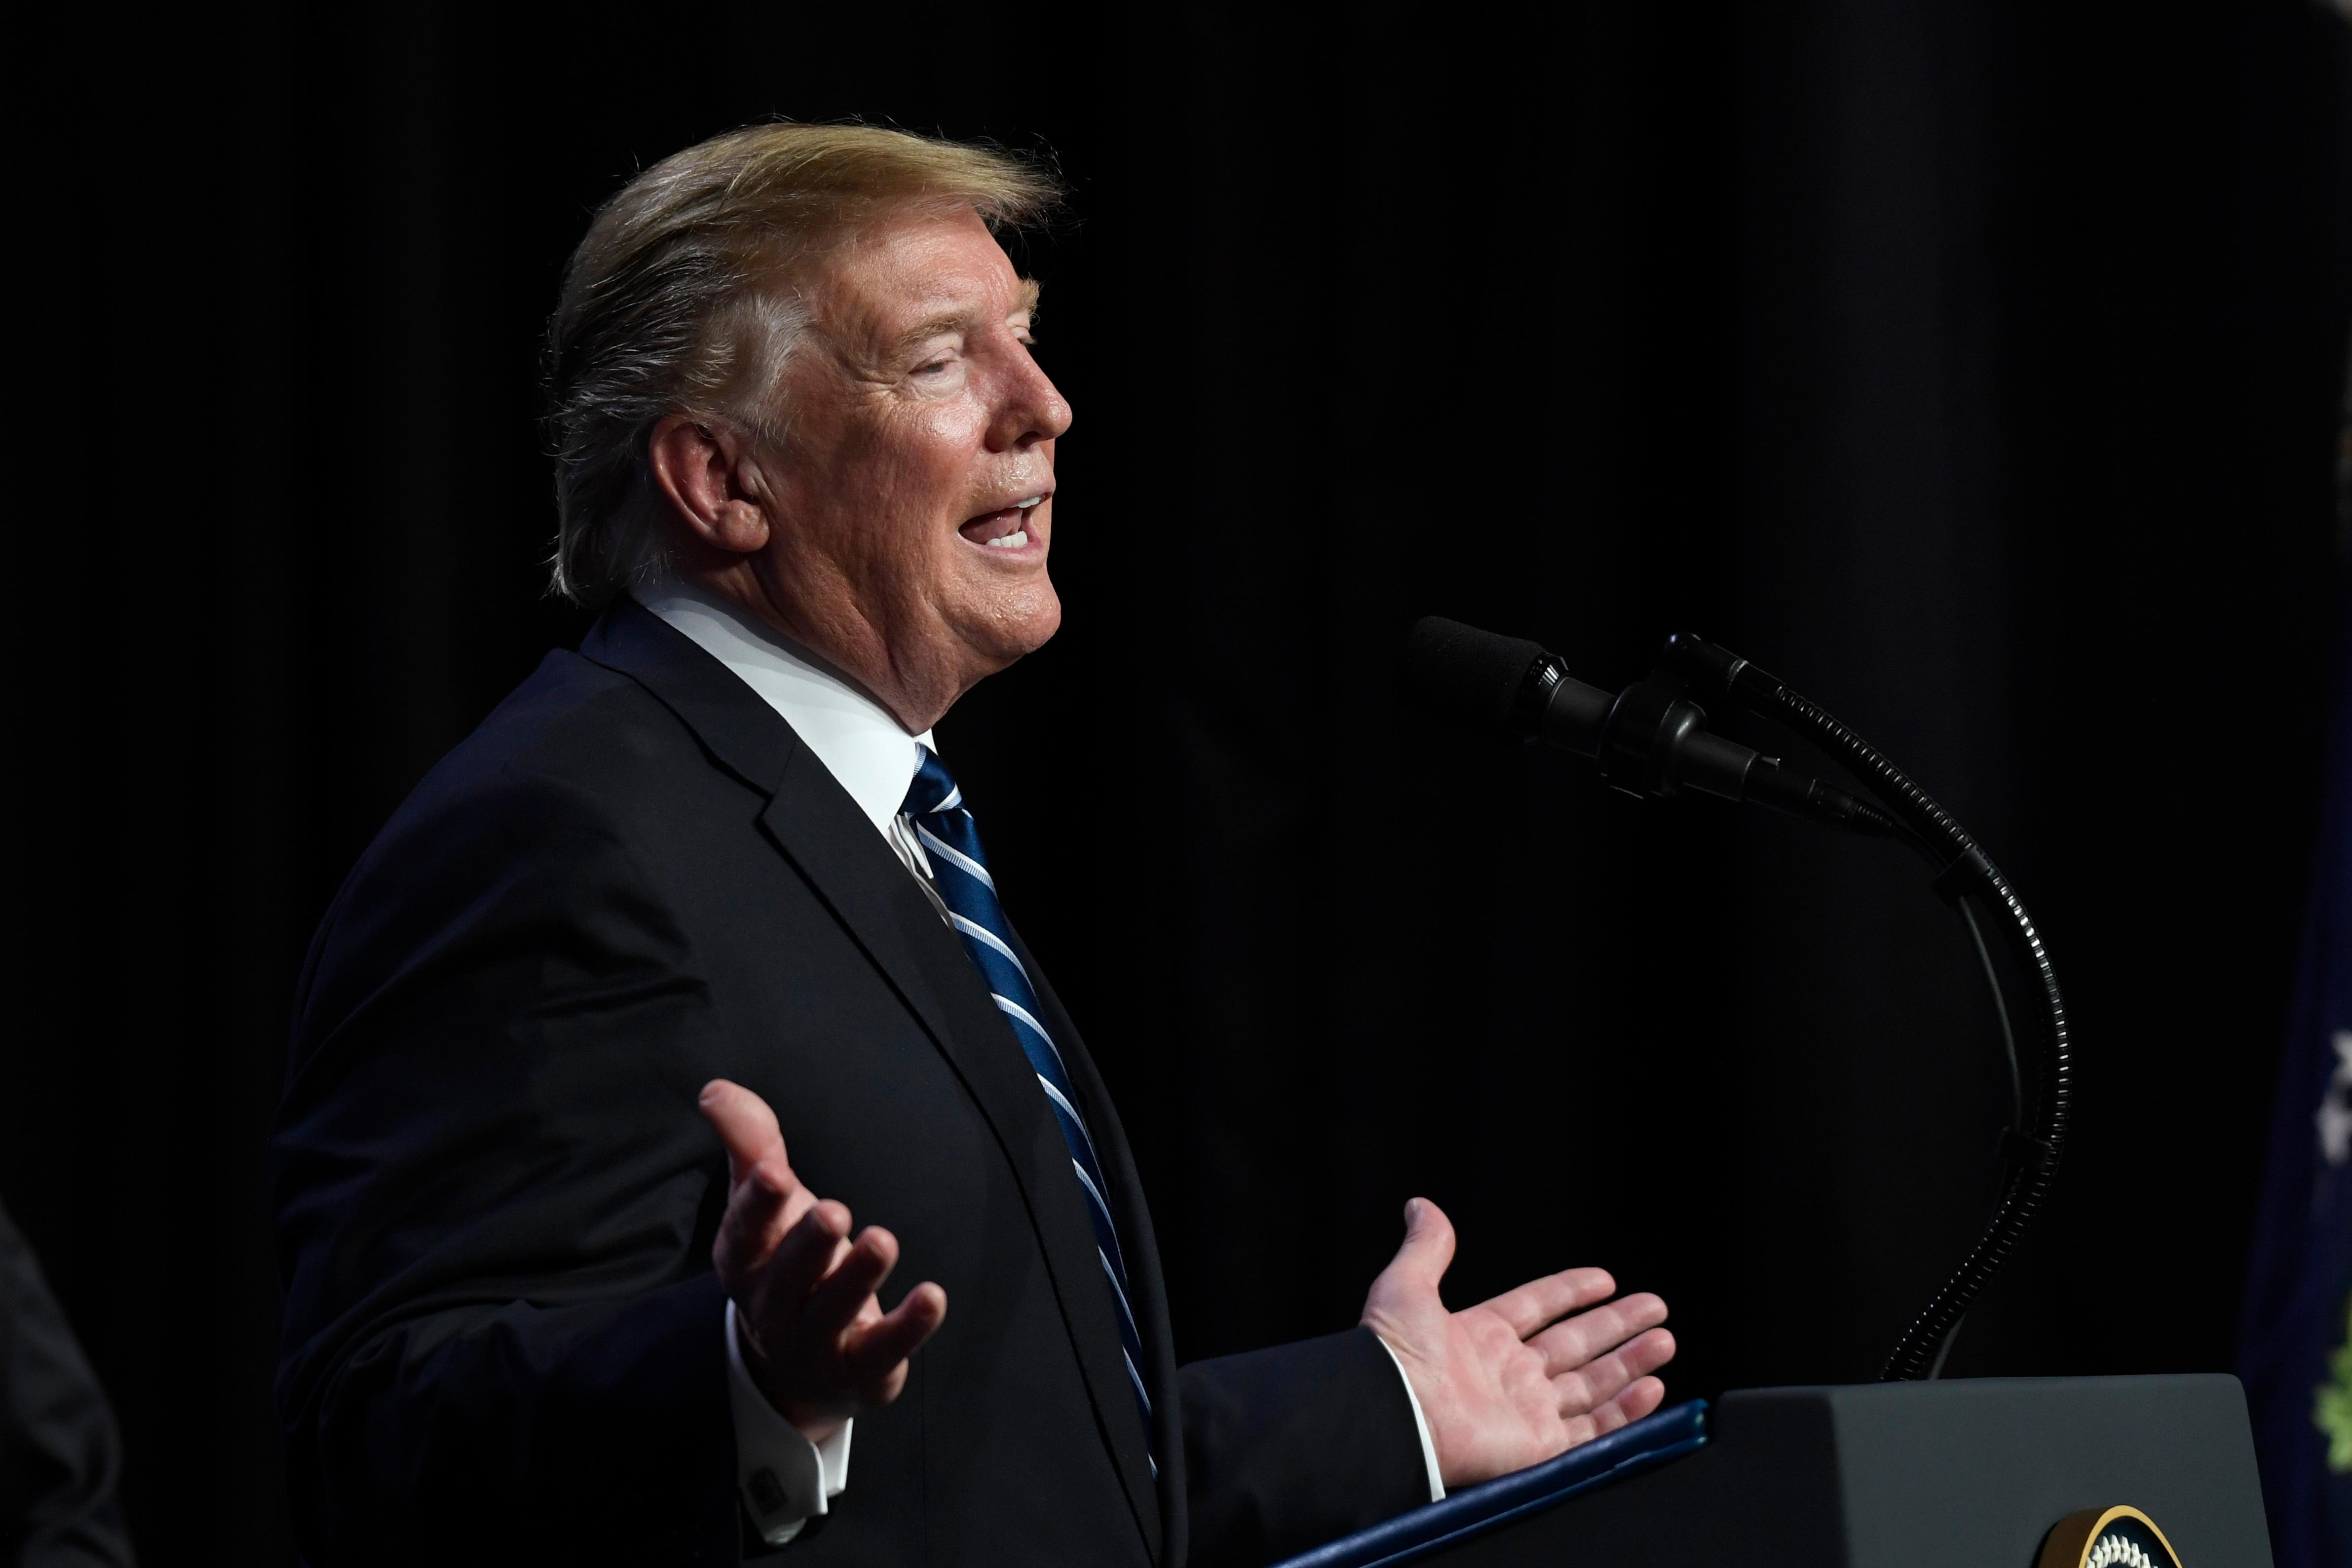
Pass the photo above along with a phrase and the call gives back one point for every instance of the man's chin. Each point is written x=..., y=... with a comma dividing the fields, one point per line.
x=1008, y=632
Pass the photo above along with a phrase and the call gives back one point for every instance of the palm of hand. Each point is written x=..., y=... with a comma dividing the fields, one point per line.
x=1513, y=1381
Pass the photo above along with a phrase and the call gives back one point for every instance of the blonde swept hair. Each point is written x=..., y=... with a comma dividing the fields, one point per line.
x=680, y=300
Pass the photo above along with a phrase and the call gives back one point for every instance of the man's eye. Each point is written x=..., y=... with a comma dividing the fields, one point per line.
x=933, y=367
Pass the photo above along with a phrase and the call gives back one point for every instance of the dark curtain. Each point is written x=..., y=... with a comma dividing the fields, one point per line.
x=1973, y=366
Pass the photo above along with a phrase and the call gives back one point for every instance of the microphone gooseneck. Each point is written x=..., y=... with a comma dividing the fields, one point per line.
x=1650, y=740
x=1963, y=871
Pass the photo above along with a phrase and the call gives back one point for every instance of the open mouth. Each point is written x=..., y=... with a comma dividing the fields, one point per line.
x=1006, y=528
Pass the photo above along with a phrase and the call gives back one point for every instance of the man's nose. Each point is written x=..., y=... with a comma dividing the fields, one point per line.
x=1033, y=410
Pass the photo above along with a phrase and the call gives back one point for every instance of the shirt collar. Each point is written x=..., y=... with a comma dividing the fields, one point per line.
x=860, y=744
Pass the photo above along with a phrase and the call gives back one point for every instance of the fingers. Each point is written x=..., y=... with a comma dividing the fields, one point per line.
x=1605, y=1378
x=838, y=1320
x=801, y=1258
x=1545, y=1300
x=745, y=1124
x=1428, y=1245
x=1572, y=1341
x=877, y=1349
x=765, y=1198
x=842, y=1294
x=1644, y=1395
x=760, y=1210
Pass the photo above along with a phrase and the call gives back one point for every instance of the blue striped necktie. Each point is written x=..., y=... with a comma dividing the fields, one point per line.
x=959, y=872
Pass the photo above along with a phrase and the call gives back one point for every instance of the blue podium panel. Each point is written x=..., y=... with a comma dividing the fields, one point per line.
x=1635, y=1446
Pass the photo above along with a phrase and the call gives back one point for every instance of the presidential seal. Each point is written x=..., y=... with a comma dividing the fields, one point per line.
x=2107, y=1538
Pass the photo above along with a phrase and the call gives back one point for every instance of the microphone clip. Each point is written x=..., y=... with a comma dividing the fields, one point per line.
x=1646, y=735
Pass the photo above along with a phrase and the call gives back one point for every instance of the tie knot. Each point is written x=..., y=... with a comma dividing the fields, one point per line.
x=934, y=789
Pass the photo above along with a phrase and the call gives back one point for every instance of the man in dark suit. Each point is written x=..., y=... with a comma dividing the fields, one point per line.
x=535, y=1311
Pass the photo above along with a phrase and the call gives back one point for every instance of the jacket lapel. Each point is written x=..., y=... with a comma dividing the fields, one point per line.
x=820, y=830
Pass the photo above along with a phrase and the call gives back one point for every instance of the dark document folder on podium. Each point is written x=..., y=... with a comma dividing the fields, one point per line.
x=2104, y=1472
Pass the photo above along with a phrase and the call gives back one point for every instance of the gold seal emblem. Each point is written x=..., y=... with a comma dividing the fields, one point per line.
x=2107, y=1538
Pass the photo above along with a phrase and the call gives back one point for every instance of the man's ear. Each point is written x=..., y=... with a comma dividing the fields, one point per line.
x=705, y=467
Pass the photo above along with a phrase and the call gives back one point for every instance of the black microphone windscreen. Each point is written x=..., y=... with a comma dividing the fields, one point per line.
x=1469, y=673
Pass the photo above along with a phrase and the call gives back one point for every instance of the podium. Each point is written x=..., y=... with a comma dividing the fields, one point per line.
x=2111, y=1472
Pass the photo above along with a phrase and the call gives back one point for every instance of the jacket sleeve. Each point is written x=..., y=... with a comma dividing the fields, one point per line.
x=61, y=1451
x=495, y=1202
x=1289, y=1447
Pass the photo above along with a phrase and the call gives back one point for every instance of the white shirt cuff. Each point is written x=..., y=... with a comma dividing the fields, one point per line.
x=785, y=1480
x=1419, y=1424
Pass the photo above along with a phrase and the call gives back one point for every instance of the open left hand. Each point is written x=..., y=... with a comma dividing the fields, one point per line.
x=814, y=1334
x=1533, y=1372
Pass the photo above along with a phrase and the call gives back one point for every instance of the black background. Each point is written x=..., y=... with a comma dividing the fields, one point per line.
x=1975, y=366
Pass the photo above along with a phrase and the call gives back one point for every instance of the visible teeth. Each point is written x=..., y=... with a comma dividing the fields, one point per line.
x=1025, y=505
x=1012, y=540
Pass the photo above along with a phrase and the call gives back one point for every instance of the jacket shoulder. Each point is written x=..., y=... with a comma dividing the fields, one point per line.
x=573, y=722
x=533, y=829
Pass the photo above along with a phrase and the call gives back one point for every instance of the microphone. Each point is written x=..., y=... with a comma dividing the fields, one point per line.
x=1649, y=739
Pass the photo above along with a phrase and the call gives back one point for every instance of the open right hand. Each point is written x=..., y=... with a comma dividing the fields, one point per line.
x=814, y=1337
x=1533, y=1372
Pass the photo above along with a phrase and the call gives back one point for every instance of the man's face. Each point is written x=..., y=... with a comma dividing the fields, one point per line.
x=913, y=495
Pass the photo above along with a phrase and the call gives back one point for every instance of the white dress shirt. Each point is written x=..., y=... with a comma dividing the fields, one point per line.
x=785, y=1480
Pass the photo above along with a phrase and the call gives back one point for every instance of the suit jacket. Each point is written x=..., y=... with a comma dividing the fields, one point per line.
x=61, y=1451
x=496, y=1196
